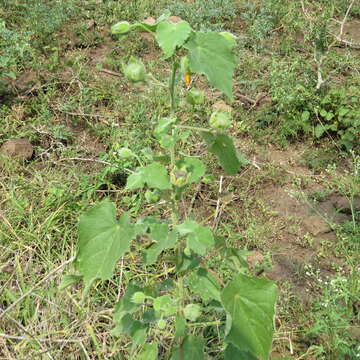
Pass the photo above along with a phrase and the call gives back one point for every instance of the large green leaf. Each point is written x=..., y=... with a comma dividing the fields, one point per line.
x=211, y=54
x=172, y=35
x=154, y=175
x=102, y=241
x=204, y=285
x=192, y=348
x=199, y=238
x=164, y=240
x=223, y=147
x=233, y=353
x=250, y=305
x=149, y=352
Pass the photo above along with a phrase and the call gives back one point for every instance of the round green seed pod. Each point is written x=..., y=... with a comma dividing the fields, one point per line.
x=220, y=120
x=195, y=97
x=135, y=71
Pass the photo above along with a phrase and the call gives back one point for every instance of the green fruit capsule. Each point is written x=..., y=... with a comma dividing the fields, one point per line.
x=195, y=97
x=138, y=297
x=135, y=71
x=179, y=177
x=220, y=120
x=120, y=28
x=125, y=153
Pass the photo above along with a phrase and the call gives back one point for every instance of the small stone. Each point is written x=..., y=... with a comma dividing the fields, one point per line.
x=316, y=225
x=221, y=105
x=175, y=19
x=254, y=259
x=150, y=21
x=17, y=148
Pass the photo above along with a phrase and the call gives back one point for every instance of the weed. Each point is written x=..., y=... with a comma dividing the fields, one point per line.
x=195, y=290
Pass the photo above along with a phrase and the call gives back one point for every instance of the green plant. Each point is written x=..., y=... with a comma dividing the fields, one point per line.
x=14, y=48
x=181, y=317
x=334, y=315
x=338, y=113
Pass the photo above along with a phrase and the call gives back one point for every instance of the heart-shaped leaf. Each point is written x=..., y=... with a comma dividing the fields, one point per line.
x=154, y=175
x=210, y=54
x=250, y=305
x=172, y=35
x=102, y=241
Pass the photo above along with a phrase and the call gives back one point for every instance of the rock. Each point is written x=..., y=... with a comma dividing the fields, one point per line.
x=221, y=105
x=316, y=225
x=17, y=148
x=175, y=19
x=150, y=21
x=254, y=259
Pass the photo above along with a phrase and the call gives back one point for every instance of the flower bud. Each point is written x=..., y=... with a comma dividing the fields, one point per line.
x=125, y=153
x=138, y=297
x=179, y=177
x=195, y=97
x=184, y=65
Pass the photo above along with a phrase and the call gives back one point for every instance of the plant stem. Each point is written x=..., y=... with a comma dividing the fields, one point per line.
x=203, y=324
x=193, y=128
x=174, y=210
x=172, y=87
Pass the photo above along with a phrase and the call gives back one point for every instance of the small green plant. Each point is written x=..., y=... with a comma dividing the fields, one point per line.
x=14, y=48
x=333, y=315
x=195, y=301
x=338, y=114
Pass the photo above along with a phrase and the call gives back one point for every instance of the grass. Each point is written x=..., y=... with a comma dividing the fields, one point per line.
x=77, y=117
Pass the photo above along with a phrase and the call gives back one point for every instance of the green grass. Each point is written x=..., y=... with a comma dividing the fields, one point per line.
x=78, y=117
